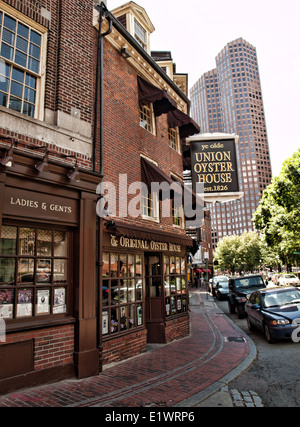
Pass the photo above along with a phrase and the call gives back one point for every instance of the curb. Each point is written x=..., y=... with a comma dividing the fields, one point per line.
x=223, y=382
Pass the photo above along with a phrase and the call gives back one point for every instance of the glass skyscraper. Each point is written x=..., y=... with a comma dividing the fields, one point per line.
x=229, y=99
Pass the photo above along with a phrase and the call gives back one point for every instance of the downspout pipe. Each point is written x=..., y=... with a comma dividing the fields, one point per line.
x=100, y=103
x=103, y=13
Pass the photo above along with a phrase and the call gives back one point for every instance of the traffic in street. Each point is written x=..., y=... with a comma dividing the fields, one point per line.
x=274, y=375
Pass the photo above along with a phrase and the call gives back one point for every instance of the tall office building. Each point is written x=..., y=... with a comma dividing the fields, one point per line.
x=229, y=99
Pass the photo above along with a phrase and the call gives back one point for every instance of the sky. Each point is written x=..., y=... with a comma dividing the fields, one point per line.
x=195, y=31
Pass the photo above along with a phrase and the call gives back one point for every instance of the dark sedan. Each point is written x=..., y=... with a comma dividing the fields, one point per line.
x=275, y=311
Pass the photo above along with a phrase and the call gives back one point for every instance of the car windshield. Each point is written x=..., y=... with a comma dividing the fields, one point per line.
x=290, y=276
x=280, y=298
x=249, y=282
x=223, y=284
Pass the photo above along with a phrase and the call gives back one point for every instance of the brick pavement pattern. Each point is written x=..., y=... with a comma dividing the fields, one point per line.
x=163, y=377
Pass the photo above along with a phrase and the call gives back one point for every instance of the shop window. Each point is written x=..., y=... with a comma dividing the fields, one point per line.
x=122, y=293
x=175, y=285
x=21, y=65
x=34, y=277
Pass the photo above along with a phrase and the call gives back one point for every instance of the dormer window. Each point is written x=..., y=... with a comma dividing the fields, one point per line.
x=140, y=34
x=136, y=21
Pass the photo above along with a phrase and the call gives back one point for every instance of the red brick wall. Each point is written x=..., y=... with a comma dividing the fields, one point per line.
x=122, y=348
x=177, y=328
x=125, y=139
x=52, y=346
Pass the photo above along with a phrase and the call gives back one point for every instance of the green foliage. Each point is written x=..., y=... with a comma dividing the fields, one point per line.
x=239, y=253
x=278, y=215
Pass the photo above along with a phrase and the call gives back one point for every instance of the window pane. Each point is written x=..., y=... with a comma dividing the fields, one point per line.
x=7, y=51
x=25, y=300
x=27, y=241
x=114, y=323
x=114, y=292
x=8, y=37
x=131, y=265
x=60, y=271
x=28, y=109
x=18, y=75
x=138, y=266
x=124, y=318
x=123, y=265
x=114, y=259
x=9, y=23
x=22, y=44
x=140, y=319
x=60, y=244
x=139, y=290
x=105, y=293
x=33, y=65
x=6, y=303
x=34, y=51
x=8, y=240
x=105, y=268
x=23, y=31
x=123, y=291
x=7, y=271
x=43, y=270
x=26, y=270
x=35, y=38
x=20, y=58
x=44, y=242
x=3, y=99
x=30, y=81
x=16, y=89
x=132, y=322
x=131, y=291
x=15, y=104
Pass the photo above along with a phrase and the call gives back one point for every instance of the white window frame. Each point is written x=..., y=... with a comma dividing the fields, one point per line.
x=41, y=75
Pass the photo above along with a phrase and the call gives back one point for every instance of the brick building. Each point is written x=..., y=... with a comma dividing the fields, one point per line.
x=79, y=107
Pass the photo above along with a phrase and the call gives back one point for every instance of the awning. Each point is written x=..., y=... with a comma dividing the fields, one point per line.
x=152, y=173
x=142, y=233
x=150, y=94
x=187, y=126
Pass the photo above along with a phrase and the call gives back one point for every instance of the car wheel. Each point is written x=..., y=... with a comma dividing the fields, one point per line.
x=250, y=326
x=268, y=335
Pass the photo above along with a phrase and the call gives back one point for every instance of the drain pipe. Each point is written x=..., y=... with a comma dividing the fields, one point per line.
x=103, y=13
x=100, y=102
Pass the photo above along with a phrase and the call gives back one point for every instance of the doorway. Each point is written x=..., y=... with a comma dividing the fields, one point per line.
x=155, y=319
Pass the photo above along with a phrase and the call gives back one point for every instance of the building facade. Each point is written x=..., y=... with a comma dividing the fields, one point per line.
x=83, y=107
x=229, y=99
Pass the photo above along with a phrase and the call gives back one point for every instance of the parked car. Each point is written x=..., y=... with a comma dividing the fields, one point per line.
x=274, y=311
x=215, y=281
x=288, y=280
x=240, y=288
x=222, y=289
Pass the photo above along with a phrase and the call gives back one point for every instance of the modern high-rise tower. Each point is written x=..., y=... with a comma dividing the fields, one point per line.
x=229, y=99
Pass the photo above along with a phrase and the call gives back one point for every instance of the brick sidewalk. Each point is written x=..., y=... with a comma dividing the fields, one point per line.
x=164, y=377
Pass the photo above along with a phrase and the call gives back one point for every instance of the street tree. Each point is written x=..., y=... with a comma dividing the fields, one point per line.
x=278, y=214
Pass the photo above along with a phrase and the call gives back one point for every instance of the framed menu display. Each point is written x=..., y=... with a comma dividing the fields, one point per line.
x=43, y=301
x=105, y=315
x=6, y=304
x=59, y=301
x=24, y=303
